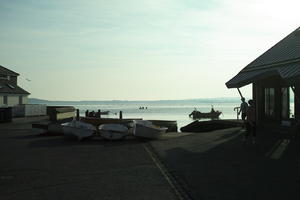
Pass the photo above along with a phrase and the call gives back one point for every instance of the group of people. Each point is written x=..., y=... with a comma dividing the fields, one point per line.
x=248, y=116
x=93, y=114
x=142, y=108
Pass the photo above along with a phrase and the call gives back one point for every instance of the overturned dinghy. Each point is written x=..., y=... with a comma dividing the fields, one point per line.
x=113, y=131
x=145, y=129
x=78, y=129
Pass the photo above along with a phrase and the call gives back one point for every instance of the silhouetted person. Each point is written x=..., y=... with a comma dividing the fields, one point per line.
x=92, y=114
x=98, y=114
x=243, y=109
x=212, y=109
x=250, y=122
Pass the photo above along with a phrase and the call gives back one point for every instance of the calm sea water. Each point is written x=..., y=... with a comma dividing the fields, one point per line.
x=159, y=111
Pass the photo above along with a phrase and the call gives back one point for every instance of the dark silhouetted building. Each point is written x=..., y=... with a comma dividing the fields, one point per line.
x=275, y=79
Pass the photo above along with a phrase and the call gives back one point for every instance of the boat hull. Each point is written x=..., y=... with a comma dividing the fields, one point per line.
x=77, y=129
x=171, y=125
x=150, y=132
x=113, y=131
x=200, y=115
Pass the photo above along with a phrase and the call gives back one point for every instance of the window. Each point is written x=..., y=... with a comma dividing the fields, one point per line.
x=9, y=85
x=270, y=102
x=20, y=99
x=285, y=103
x=4, y=77
x=291, y=101
x=5, y=99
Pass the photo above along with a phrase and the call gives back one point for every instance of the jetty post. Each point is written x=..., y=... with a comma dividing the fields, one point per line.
x=121, y=115
x=77, y=115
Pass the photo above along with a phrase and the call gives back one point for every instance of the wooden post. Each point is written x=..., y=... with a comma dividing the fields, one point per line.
x=99, y=111
x=240, y=92
x=77, y=115
x=121, y=115
x=86, y=113
x=258, y=97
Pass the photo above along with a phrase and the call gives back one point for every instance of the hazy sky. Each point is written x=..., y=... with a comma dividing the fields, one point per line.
x=138, y=49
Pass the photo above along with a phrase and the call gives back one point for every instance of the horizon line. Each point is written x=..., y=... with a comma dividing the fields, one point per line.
x=207, y=98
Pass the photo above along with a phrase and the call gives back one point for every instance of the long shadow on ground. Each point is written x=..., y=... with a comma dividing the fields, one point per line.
x=232, y=170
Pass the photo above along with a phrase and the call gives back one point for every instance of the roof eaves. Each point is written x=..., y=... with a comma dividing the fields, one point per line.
x=8, y=71
x=273, y=65
x=252, y=64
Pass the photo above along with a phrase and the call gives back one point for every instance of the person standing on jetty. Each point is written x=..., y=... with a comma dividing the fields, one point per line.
x=250, y=122
x=243, y=109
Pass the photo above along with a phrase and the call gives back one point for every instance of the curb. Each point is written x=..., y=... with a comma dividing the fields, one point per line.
x=180, y=189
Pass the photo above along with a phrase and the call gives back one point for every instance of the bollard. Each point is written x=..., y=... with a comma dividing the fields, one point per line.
x=86, y=113
x=121, y=115
x=77, y=115
x=99, y=111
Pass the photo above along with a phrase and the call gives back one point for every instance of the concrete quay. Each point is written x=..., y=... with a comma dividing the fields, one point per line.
x=212, y=165
x=49, y=167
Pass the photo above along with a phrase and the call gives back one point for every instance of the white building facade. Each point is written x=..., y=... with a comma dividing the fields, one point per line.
x=10, y=93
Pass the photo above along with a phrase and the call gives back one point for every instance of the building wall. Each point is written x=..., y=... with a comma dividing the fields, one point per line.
x=1, y=100
x=258, y=95
x=25, y=99
x=12, y=80
x=259, y=101
x=13, y=99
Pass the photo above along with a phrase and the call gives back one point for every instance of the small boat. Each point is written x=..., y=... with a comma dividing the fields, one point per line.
x=199, y=115
x=104, y=112
x=96, y=114
x=78, y=129
x=211, y=125
x=171, y=125
x=113, y=131
x=145, y=129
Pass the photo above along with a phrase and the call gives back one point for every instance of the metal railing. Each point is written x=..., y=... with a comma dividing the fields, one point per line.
x=237, y=109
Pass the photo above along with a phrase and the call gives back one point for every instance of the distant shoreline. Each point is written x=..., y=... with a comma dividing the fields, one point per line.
x=200, y=100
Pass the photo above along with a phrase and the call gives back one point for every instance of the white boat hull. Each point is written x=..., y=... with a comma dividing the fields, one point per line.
x=149, y=131
x=78, y=129
x=113, y=131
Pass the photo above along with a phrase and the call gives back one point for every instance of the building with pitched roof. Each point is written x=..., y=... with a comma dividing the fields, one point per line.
x=275, y=79
x=10, y=93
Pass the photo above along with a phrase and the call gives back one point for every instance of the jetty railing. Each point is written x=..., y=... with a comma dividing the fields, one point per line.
x=237, y=109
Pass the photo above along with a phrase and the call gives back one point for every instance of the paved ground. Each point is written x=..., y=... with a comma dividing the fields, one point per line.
x=43, y=167
x=211, y=165
x=217, y=166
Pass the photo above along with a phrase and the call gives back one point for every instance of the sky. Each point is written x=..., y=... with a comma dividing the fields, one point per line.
x=138, y=49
